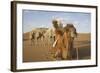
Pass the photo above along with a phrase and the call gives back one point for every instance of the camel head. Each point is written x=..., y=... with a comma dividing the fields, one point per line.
x=57, y=24
x=70, y=28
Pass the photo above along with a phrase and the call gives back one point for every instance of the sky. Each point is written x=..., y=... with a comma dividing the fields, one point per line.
x=37, y=19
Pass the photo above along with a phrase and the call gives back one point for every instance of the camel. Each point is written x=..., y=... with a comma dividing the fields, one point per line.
x=49, y=35
x=69, y=35
x=32, y=37
x=63, y=40
x=36, y=35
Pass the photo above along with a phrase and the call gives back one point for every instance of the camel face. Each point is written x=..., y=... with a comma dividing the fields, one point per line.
x=72, y=30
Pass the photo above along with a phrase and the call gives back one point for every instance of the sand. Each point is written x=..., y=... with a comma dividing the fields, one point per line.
x=40, y=51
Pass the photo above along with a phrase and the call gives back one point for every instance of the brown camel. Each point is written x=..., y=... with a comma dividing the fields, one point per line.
x=69, y=35
x=63, y=40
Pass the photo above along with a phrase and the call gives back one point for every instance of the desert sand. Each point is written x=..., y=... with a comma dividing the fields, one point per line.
x=40, y=51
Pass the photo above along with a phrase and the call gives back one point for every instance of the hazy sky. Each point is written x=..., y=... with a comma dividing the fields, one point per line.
x=35, y=18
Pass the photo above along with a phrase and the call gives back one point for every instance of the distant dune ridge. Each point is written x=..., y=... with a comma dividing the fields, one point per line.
x=40, y=51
